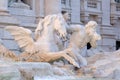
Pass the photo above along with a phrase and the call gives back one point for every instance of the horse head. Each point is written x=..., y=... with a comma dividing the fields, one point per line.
x=54, y=23
x=60, y=26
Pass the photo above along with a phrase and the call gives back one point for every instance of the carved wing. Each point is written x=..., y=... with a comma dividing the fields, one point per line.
x=23, y=37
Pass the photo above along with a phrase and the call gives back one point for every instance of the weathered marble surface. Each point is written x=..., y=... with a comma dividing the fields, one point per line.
x=45, y=71
x=30, y=70
x=105, y=64
x=102, y=66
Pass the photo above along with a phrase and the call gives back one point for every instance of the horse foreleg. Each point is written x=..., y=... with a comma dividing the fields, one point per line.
x=69, y=51
x=71, y=60
x=50, y=57
x=58, y=55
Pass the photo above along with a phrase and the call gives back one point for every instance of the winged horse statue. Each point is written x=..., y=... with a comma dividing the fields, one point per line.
x=43, y=48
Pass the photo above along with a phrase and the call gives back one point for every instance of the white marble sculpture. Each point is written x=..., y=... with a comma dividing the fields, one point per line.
x=45, y=33
x=45, y=48
x=80, y=37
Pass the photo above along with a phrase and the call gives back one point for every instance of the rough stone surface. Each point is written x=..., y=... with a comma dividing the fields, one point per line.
x=34, y=68
x=105, y=64
x=8, y=72
x=101, y=67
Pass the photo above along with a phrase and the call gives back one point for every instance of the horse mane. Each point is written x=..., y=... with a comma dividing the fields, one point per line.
x=90, y=28
x=45, y=22
x=42, y=24
x=48, y=20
